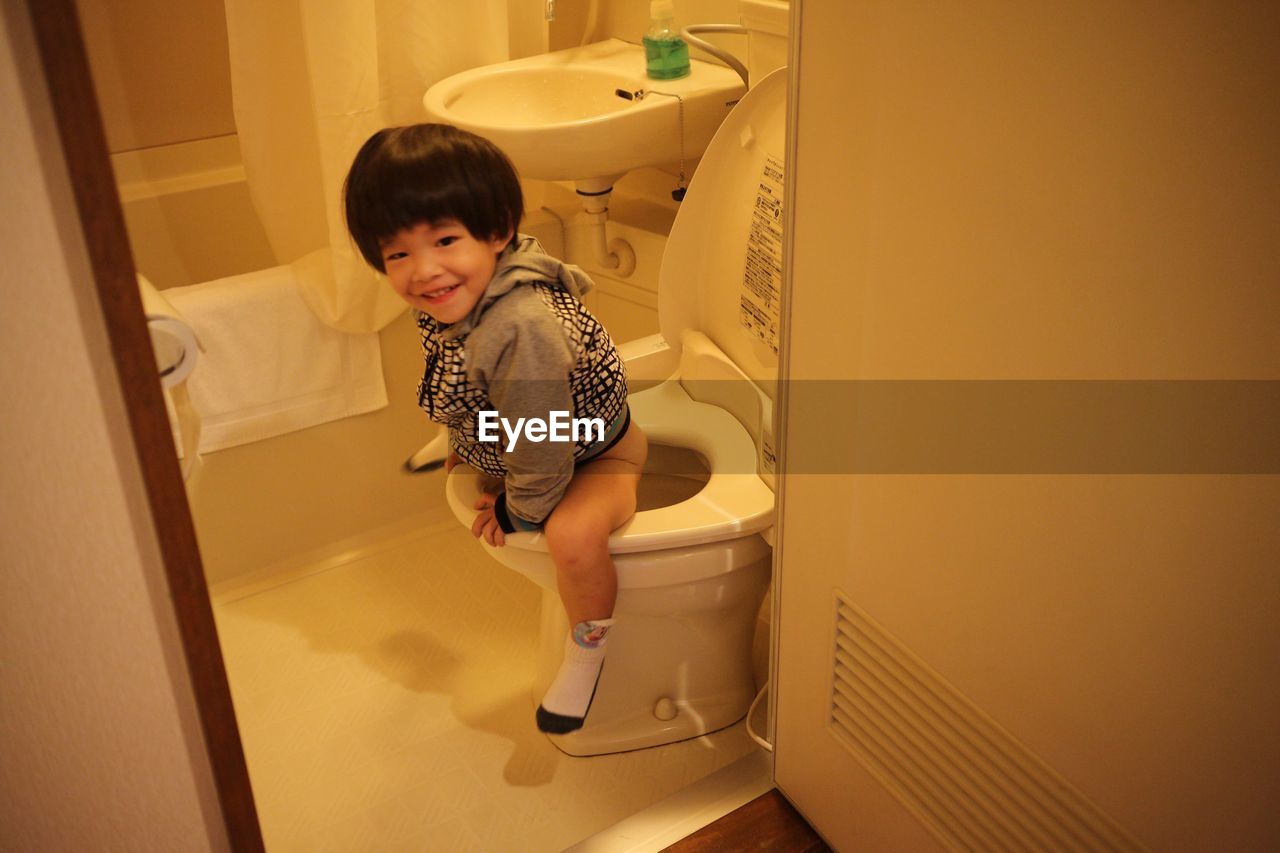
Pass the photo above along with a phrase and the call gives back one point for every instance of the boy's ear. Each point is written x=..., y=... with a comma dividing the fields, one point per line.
x=500, y=241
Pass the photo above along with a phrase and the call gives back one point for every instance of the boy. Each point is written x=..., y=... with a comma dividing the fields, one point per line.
x=503, y=331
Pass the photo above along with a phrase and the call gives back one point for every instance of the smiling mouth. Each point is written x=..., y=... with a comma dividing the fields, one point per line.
x=437, y=295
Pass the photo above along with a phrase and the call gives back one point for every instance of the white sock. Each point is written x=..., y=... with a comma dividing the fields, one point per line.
x=565, y=705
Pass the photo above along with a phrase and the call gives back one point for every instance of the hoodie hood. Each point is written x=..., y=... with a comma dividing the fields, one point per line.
x=524, y=261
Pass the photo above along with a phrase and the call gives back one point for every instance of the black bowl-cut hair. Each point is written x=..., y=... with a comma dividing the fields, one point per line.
x=405, y=176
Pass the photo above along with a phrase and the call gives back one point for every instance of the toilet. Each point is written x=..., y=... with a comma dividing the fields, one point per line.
x=694, y=563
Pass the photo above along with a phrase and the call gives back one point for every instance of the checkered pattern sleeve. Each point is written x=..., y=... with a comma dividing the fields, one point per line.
x=523, y=359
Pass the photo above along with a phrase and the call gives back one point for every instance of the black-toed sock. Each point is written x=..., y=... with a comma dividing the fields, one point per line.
x=565, y=705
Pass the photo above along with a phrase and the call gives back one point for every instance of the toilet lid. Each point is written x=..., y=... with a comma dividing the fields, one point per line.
x=721, y=272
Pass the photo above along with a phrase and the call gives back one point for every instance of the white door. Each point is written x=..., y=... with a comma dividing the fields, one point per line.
x=1016, y=650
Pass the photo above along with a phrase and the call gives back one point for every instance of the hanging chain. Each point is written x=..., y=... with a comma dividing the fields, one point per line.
x=678, y=193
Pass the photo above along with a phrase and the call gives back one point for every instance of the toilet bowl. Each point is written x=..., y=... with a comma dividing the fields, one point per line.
x=692, y=569
x=694, y=562
x=693, y=566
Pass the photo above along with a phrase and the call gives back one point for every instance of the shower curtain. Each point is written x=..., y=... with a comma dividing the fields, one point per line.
x=311, y=80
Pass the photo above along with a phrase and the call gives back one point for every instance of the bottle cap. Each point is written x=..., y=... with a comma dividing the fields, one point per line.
x=661, y=9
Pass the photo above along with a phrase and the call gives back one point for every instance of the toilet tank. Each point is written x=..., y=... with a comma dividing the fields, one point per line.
x=768, y=23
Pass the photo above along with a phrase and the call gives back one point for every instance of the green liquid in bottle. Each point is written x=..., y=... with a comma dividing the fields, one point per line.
x=666, y=59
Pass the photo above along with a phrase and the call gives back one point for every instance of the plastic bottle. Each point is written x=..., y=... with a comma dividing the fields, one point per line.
x=666, y=55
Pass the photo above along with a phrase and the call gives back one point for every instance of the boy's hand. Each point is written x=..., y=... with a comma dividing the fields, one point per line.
x=486, y=523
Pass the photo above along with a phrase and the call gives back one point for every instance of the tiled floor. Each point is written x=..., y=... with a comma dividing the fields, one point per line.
x=384, y=705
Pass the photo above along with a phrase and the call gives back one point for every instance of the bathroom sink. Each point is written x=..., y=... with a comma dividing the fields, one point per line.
x=587, y=114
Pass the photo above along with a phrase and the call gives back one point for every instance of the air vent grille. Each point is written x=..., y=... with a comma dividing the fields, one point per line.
x=956, y=769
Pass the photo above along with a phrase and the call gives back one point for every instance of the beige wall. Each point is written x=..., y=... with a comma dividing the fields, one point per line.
x=163, y=74
x=161, y=70
x=628, y=20
x=1062, y=190
x=98, y=731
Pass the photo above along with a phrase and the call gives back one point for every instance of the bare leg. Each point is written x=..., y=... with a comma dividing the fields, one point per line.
x=601, y=497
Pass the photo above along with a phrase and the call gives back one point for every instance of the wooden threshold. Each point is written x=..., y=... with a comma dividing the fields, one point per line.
x=768, y=822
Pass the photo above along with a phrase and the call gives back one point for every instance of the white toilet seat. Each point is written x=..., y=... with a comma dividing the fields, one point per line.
x=734, y=503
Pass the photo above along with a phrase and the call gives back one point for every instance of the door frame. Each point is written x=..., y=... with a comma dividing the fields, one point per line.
x=83, y=144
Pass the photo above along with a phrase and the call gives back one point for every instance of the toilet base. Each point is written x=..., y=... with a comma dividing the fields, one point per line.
x=674, y=669
x=638, y=732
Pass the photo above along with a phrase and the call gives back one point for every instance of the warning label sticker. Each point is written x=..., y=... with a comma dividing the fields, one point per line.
x=761, y=297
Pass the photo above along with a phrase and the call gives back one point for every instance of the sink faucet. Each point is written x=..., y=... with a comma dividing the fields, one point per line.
x=550, y=10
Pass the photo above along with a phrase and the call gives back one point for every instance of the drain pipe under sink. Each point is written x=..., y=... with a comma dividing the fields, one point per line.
x=615, y=256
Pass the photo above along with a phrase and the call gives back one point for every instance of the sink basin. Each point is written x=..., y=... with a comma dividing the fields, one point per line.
x=587, y=114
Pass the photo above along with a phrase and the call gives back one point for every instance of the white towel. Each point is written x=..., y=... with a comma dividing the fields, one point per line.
x=269, y=366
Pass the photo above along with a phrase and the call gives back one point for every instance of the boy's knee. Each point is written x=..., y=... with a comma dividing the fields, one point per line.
x=571, y=538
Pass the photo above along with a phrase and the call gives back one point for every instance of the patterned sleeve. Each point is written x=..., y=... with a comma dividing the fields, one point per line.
x=521, y=355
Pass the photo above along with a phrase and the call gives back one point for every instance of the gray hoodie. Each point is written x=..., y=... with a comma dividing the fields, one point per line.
x=529, y=347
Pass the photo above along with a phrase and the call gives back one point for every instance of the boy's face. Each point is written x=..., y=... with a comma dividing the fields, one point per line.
x=440, y=268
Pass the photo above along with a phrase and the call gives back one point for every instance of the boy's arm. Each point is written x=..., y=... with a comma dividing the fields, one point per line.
x=538, y=472
x=522, y=357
